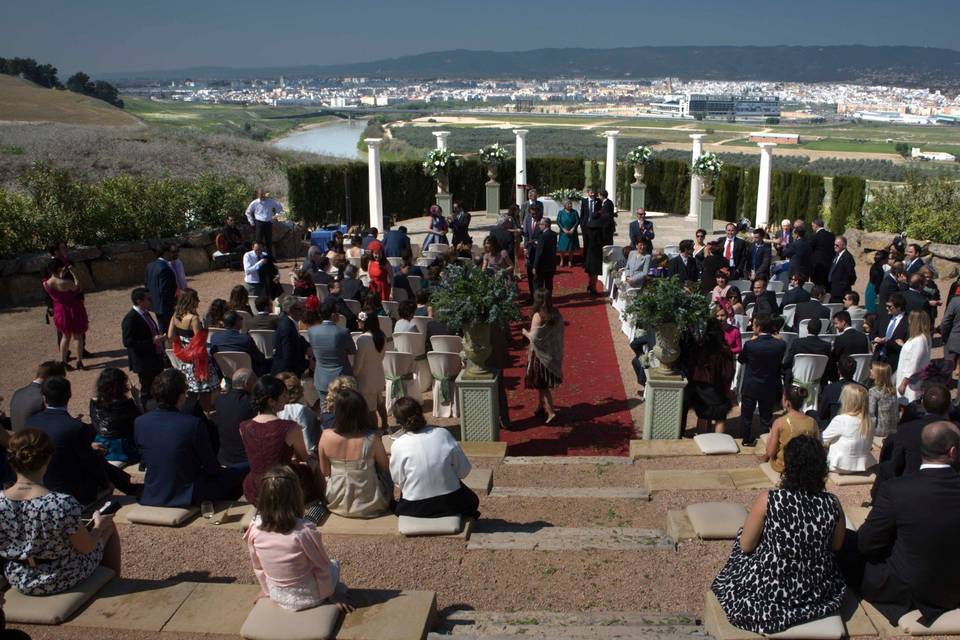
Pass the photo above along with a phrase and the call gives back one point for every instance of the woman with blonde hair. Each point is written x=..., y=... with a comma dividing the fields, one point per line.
x=914, y=357
x=296, y=411
x=883, y=400
x=850, y=434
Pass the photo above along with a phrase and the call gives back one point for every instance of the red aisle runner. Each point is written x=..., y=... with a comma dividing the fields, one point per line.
x=593, y=417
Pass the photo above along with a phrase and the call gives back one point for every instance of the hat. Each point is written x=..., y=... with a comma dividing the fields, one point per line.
x=375, y=246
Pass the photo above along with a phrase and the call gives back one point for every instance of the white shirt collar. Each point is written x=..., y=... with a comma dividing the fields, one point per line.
x=930, y=465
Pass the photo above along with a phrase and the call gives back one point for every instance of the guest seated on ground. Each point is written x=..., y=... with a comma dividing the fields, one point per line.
x=44, y=546
x=904, y=556
x=793, y=423
x=270, y=440
x=405, y=324
x=354, y=462
x=231, y=409
x=850, y=434
x=182, y=468
x=328, y=405
x=113, y=413
x=428, y=466
x=287, y=552
x=232, y=340
x=786, y=547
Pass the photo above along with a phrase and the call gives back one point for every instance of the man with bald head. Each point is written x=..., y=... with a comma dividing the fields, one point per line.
x=233, y=408
x=908, y=544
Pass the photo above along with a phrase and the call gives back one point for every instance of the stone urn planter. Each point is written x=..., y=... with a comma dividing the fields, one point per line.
x=707, y=184
x=492, y=172
x=443, y=183
x=667, y=348
x=476, y=346
x=638, y=172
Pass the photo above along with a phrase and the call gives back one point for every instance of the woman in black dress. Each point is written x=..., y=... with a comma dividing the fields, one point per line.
x=593, y=243
x=710, y=370
x=112, y=413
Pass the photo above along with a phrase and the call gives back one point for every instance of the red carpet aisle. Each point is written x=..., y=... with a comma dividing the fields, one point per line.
x=593, y=417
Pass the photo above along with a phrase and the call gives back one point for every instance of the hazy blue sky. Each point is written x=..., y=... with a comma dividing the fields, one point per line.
x=128, y=35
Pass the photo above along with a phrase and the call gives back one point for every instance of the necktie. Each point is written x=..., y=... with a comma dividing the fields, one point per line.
x=154, y=330
x=891, y=327
x=728, y=251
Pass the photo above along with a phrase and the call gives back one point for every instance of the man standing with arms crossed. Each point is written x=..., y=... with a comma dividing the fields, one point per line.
x=260, y=215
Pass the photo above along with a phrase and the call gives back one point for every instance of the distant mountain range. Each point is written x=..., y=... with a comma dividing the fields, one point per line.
x=896, y=64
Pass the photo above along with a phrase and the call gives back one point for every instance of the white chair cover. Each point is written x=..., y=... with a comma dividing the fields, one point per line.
x=834, y=307
x=808, y=286
x=857, y=323
x=802, y=330
x=396, y=263
x=424, y=262
x=789, y=337
x=857, y=312
x=391, y=307
x=398, y=295
x=354, y=261
x=444, y=368
x=422, y=322
x=447, y=344
x=398, y=370
x=386, y=325
x=353, y=305
x=743, y=285
x=247, y=319
x=177, y=364
x=776, y=286
x=863, y=361
x=415, y=249
x=671, y=250
x=808, y=369
x=229, y=361
x=323, y=291
x=415, y=284
x=742, y=321
x=415, y=344
x=789, y=313
x=264, y=339
x=746, y=335
x=211, y=331
x=750, y=308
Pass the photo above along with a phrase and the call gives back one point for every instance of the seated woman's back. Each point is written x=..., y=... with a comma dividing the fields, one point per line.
x=792, y=426
x=427, y=463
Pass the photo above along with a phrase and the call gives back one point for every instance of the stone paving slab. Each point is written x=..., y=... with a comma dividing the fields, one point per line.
x=567, y=460
x=679, y=526
x=389, y=615
x=676, y=448
x=689, y=480
x=484, y=449
x=536, y=538
x=851, y=479
x=215, y=608
x=595, y=493
x=135, y=605
x=750, y=478
x=602, y=625
x=854, y=616
x=480, y=480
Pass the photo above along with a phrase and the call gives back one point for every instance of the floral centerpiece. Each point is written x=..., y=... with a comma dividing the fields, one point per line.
x=437, y=165
x=493, y=156
x=472, y=300
x=668, y=308
x=640, y=157
x=566, y=194
x=707, y=167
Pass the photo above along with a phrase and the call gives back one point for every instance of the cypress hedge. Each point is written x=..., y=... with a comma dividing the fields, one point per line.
x=847, y=204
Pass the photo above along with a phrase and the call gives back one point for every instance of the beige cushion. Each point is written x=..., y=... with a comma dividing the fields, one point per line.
x=716, y=520
x=716, y=443
x=58, y=607
x=410, y=526
x=268, y=621
x=770, y=473
x=829, y=628
x=842, y=479
x=161, y=516
x=946, y=625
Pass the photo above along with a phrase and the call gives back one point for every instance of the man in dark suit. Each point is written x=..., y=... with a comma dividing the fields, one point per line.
x=28, y=401
x=232, y=408
x=264, y=318
x=895, y=281
x=641, y=228
x=684, y=266
x=545, y=265
x=761, y=358
x=351, y=288
x=182, y=468
x=593, y=234
x=369, y=236
x=849, y=341
x=904, y=555
x=810, y=343
x=337, y=299
x=531, y=236
x=143, y=340
x=914, y=297
x=888, y=338
x=161, y=281
x=912, y=260
x=829, y=401
x=949, y=329
x=796, y=293
x=503, y=232
x=764, y=300
x=289, y=347
x=610, y=215
x=587, y=206
x=812, y=308
x=232, y=340
x=900, y=454
x=395, y=242
x=822, y=252
x=759, y=256
x=532, y=201
x=799, y=253
x=734, y=252
x=843, y=271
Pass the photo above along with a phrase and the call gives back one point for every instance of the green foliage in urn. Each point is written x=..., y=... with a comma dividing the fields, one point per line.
x=469, y=296
x=664, y=301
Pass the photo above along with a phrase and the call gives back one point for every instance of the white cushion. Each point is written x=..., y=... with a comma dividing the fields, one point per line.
x=946, y=625
x=161, y=516
x=829, y=628
x=268, y=621
x=716, y=520
x=843, y=479
x=716, y=443
x=410, y=526
x=58, y=607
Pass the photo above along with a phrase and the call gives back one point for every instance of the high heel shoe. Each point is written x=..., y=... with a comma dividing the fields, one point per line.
x=550, y=419
x=67, y=366
x=80, y=366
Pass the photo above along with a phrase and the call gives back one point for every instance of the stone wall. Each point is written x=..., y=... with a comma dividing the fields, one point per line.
x=122, y=264
x=946, y=257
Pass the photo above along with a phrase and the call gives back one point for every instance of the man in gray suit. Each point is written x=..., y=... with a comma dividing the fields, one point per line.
x=950, y=329
x=331, y=345
x=28, y=400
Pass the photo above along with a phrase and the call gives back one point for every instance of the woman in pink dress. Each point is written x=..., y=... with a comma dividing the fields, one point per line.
x=731, y=332
x=69, y=312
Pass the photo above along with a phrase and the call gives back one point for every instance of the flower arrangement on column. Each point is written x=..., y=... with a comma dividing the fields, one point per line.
x=668, y=308
x=493, y=156
x=640, y=157
x=567, y=194
x=438, y=164
x=707, y=167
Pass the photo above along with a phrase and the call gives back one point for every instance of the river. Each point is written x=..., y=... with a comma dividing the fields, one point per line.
x=337, y=139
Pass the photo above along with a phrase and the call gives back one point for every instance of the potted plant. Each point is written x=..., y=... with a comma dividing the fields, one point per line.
x=493, y=156
x=640, y=157
x=472, y=300
x=670, y=310
x=437, y=165
x=707, y=167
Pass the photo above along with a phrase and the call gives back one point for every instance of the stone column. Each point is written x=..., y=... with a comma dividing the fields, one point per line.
x=638, y=193
x=441, y=138
x=694, y=180
x=376, y=193
x=763, y=189
x=663, y=415
x=521, y=175
x=610, y=179
x=493, y=198
x=705, y=214
x=479, y=409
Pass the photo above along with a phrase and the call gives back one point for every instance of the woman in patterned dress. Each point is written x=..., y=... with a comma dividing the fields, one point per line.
x=782, y=570
x=188, y=339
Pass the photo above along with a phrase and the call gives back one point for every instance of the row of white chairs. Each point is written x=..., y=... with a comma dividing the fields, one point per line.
x=808, y=371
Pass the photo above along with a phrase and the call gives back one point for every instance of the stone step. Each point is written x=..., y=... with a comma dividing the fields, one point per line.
x=488, y=625
x=595, y=493
x=534, y=537
x=705, y=479
x=567, y=460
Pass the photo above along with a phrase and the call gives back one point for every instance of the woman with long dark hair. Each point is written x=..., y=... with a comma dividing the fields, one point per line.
x=368, y=365
x=710, y=368
x=188, y=339
x=69, y=312
x=112, y=412
x=545, y=355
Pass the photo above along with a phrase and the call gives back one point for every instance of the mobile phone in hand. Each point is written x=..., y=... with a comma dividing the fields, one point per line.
x=109, y=508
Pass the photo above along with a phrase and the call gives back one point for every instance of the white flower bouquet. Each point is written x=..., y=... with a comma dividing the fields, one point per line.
x=566, y=194
x=440, y=161
x=493, y=154
x=640, y=156
x=707, y=166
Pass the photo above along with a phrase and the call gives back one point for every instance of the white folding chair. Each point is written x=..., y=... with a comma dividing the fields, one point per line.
x=834, y=307
x=802, y=330
x=353, y=305
x=857, y=312
x=776, y=286
x=422, y=322
x=746, y=335
x=323, y=291
x=396, y=263
x=742, y=285
x=398, y=295
x=611, y=253
x=247, y=319
x=808, y=369
x=857, y=323
x=416, y=345
x=750, y=308
x=424, y=262
x=808, y=286
x=391, y=307
x=211, y=331
x=789, y=313
x=398, y=370
x=229, y=361
x=863, y=361
x=742, y=321
x=444, y=368
x=354, y=261
x=386, y=325
x=415, y=284
x=788, y=337
x=447, y=344
x=264, y=339
x=671, y=250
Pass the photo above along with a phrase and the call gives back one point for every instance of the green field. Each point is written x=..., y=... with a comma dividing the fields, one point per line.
x=260, y=122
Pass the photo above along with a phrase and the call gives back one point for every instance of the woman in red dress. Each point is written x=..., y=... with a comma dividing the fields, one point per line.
x=69, y=312
x=379, y=270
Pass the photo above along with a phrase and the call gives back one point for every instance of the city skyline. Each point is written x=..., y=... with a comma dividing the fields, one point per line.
x=115, y=37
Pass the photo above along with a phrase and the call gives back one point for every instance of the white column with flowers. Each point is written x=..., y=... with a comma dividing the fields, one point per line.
x=641, y=157
x=373, y=185
x=695, y=180
x=763, y=188
x=707, y=171
x=493, y=156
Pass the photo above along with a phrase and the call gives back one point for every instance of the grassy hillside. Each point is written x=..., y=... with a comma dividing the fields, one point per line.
x=22, y=101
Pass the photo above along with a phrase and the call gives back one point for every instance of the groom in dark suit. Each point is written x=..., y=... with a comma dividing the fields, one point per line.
x=143, y=339
x=545, y=264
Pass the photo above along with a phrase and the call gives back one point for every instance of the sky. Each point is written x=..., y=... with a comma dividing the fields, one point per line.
x=101, y=36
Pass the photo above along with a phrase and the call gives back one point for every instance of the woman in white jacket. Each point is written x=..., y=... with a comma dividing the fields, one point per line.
x=914, y=356
x=850, y=434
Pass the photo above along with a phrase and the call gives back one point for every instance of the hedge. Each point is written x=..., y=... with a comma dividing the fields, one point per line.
x=846, y=207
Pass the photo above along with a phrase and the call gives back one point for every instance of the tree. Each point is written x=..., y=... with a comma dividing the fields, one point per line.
x=105, y=91
x=80, y=83
x=902, y=148
x=772, y=120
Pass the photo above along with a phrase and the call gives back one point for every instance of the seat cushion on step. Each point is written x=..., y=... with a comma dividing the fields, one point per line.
x=716, y=520
x=268, y=621
x=410, y=526
x=770, y=473
x=161, y=516
x=716, y=443
x=58, y=607
x=946, y=625
x=846, y=479
x=829, y=628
